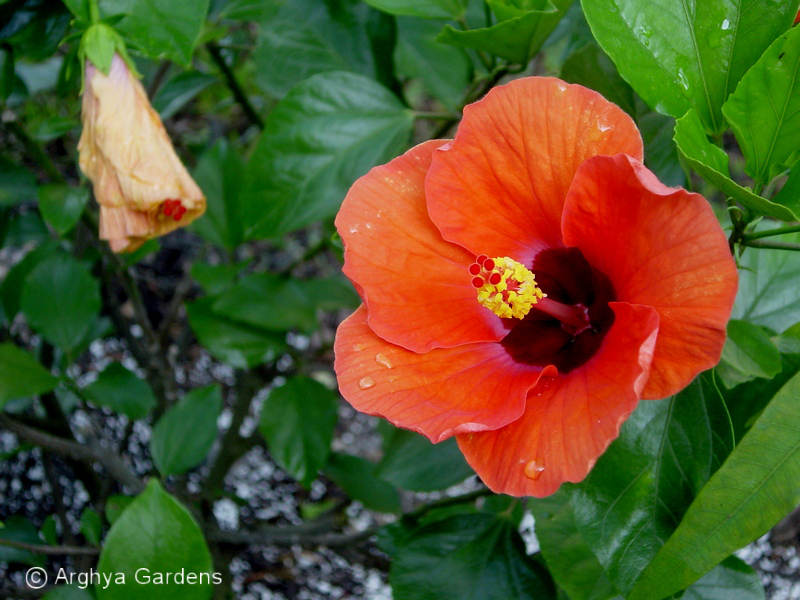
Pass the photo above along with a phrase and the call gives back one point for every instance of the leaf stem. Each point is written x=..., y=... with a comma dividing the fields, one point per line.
x=749, y=237
x=233, y=83
x=772, y=245
x=94, y=11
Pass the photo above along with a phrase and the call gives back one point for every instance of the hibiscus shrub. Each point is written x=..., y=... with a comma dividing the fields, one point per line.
x=422, y=299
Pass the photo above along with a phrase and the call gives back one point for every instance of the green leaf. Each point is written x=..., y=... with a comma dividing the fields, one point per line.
x=356, y=477
x=788, y=342
x=591, y=67
x=471, y=556
x=748, y=353
x=61, y=206
x=327, y=132
x=711, y=162
x=11, y=288
x=267, y=301
x=684, y=55
x=24, y=228
x=68, y=592
x=16, y=184
x=518, y=35
x=54, y=127
x=433, y=9
x=179, y=90
x=570, y=560
x=730, y=580
x=634, y=497
x=411, y=462
x=764, y=111
x=21, y=375
x=61, y=300
x=298, y=420
x=161, y=28
x=115, y=506
x=238, y=344
x=789, y=194
x=768, y=287
x=660, y=151
x=157, y=534
x=91, y=526
x=99, y=44
x=312, y=37
x=444, y=70
x=751, y=492
x=215, y=278
x=184, y=435
x=219, y=175
x=121, y=391
x=19, y=529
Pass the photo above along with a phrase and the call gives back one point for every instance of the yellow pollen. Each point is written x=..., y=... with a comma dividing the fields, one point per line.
x=514, y=292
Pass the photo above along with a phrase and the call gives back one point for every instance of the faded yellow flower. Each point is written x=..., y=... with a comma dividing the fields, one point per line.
x=143, y=189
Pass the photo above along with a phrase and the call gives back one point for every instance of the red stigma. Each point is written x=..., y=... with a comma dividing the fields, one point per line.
x=495, y=278
x=481, y=259
x=173, y=208
x=474, y=269
x=488, y=264
x=477, y=282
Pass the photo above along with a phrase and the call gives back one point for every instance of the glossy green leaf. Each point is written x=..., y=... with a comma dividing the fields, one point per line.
x=161, y=28
x=433, y=9
x=219, y=175
x=634, y=497
x=215, y=278
x=327, y=132
x=469, y=557
x=24, y=228
x=233, y=342
x=184, y=435
x=751, y=492
x=116, y=505
x=711, y=163
x=16, y=183
x=413, y=463
x=768, y=287
x=312, y=37
x=20, y=529
x=61, y=300
x=788, y=342
x=68, y=592
x=121, y=391
x=591, y=67
x=157, y=534
x=519, y=33
x=54, y=127
x=730, y=580
x=660, y=151
x=21, y=375
x=444, y=70
x=748, y=353
x=570, y=560
x=61, y=206
x=357, y=479
x=11, y=287
x=91, y=526
x=764, y=112
x=298, y=420
x=680, y=55
x=789, y=194
x=178, y=91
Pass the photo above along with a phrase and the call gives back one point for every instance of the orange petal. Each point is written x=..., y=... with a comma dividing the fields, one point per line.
x=569, y=421
x=662, y=247
x=474, y=387
x=416, y=285
x=499, y=189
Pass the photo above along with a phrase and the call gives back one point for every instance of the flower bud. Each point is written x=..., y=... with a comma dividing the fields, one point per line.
x=143, y=189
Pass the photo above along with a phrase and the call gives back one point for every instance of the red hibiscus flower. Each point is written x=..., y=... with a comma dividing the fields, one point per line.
x=526, y=284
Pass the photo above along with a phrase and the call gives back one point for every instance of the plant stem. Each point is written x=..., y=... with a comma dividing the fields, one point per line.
x=51, y=550
x=230, y=78
x=32, y=147
x=94, y=11
x=749, y=237
x=772, y=245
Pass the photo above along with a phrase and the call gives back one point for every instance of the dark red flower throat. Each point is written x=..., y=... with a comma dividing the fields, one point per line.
x=539, y=339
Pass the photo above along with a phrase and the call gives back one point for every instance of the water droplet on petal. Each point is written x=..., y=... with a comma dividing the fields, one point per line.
x=366, y=383
x=368, y=225
x=358, y=347
x=354, y=229
x=534, y=470
x=603, y=126
x=383, y=361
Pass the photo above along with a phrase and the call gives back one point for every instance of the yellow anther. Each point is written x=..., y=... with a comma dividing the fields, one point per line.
x=505, y=287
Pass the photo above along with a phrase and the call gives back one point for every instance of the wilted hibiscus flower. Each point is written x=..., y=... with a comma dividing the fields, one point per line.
x=525, y=285
x=143, y=189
